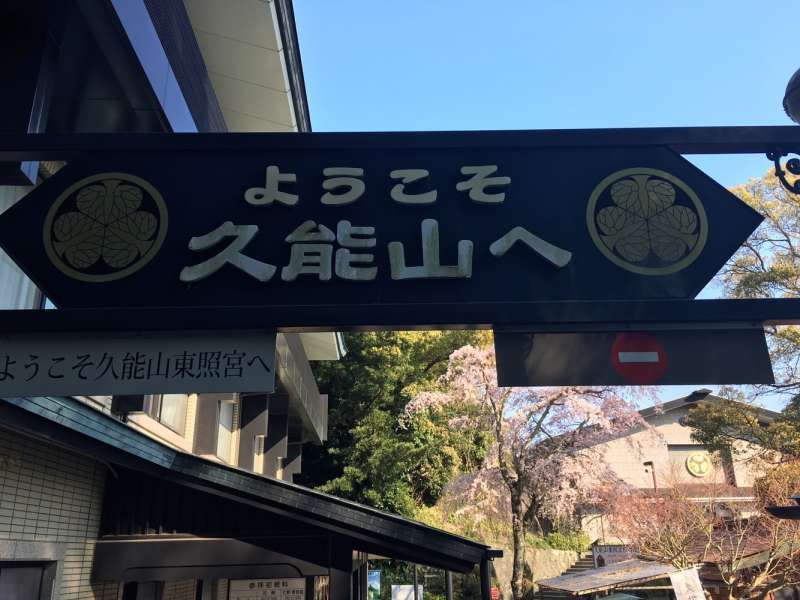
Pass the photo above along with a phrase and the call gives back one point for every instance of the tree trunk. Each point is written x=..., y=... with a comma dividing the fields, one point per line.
x=518, y=572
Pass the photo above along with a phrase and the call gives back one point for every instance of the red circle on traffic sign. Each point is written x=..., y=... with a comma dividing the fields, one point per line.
x=638, y=357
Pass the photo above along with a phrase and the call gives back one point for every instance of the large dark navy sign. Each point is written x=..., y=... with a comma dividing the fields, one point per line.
x=375, y=224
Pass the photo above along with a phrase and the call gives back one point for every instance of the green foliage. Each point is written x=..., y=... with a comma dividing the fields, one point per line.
x=778, y=484
x=487, y=529
x=768, y=266
x=577, y=541
x=369, y=457
x=729, y=427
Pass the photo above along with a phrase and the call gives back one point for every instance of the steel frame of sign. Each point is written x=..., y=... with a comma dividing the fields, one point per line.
x=531, y=317
x=528, y=316
x=683, y=140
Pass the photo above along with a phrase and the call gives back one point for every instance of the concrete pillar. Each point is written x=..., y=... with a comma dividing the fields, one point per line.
x=252, y=423
x=292, y=464
x=276, y=443
x=207, y=421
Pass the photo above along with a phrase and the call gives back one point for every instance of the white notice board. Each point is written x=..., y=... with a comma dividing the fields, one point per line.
x=687, y=585
x=291, y=588
x=405, y=592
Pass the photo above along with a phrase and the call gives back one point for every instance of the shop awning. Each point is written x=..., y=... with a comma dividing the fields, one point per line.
x=627, y=572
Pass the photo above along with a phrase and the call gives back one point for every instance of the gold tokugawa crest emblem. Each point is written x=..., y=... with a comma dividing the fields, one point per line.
x=698, y=464
x=647, y=221
x=105, y=227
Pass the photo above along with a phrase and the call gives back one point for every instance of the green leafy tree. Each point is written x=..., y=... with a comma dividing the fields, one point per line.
x=369, y=456
x=768, y=266
x=732, y=428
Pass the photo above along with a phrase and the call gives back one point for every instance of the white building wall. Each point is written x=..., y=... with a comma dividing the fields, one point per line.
x=665, y=443
x=50, y=508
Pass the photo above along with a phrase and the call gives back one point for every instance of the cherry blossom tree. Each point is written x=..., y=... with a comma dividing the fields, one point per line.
x=752, y=552
x=541, y=459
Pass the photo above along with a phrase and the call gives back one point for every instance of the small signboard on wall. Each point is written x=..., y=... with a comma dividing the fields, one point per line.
x=291, y=588
x=608, y=554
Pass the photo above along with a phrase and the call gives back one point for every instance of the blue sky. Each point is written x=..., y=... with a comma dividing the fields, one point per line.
x=373, y=65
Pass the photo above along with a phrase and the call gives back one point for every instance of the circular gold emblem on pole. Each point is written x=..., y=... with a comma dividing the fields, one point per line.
x=105, y=227
x=647, y=221
x=698, y=464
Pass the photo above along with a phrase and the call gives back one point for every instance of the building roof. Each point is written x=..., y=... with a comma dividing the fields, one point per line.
x=702, y=491
x=80, y=428
x=627, y=572
x=252, y=55
x=696, y=397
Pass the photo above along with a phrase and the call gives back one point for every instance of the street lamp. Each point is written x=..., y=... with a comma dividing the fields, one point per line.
x=791, y=99
x=791, y=104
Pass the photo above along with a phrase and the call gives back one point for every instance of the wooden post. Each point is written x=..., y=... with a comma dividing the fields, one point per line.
x=486, y=580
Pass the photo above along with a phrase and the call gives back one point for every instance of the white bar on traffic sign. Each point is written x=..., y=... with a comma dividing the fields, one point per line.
x=638, y=357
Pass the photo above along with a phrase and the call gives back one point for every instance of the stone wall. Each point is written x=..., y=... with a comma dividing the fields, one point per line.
x=542, y=563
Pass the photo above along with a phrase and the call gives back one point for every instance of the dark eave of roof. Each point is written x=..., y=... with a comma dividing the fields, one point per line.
x=785, y=512
x=78, y=427
x=294, y=65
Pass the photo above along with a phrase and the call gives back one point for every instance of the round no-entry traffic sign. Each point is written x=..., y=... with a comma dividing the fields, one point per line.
x=638, y=358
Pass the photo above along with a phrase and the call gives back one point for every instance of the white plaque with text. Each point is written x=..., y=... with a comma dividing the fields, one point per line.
x=291, y=588
x=90, y=364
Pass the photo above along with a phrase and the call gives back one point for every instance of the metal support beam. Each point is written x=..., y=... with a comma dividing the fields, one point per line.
x=532, y=317
x=448, y=585
x=684, y=140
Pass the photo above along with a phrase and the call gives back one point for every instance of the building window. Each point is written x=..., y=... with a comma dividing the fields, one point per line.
x=170, y=410
x=225, y=430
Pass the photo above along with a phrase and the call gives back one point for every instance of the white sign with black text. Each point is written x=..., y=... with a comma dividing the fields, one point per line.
x=686, y=585
x=93, y=364
x=291, y=588
x=406, y=592
x=608, y=554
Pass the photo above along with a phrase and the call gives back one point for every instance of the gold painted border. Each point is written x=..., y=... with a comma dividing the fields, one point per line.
x=678, y=266
x=69, y=271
